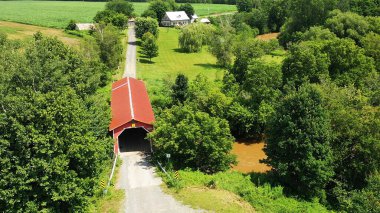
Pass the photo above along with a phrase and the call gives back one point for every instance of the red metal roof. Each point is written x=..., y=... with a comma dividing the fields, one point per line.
x=130, y=101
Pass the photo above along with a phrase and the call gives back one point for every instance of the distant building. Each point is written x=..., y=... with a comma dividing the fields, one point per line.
x=84, y=26
x=194, y=18
x=176, y=18
x=205, y=21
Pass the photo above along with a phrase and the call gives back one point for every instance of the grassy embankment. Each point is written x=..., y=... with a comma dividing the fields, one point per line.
x=57, y=14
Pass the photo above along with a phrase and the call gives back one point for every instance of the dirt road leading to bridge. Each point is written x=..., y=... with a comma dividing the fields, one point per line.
x=142, y=186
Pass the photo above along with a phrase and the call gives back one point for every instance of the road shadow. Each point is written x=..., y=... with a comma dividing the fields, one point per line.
x=132, y=43
x=144, y=163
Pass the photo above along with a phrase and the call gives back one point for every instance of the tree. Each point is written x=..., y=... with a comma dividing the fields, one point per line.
x=318, y=34
x=111, y=17
x=144, y=25
x=194, y=36
x=194, y=139
x=348, y=64
x=71, y=25
x=298, y=144
x=220, y=46
x=244, y=5
x=302, y=15
x=305, y=63
x=149, y=46
x=188, y=8
x=347, y=25
x=108, y=39
x=180, y=89
x=371, y=45
x=160, y=7
x=121, y=6
x=277, y=15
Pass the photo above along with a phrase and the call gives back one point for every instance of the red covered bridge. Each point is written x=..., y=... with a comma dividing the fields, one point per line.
x=132, y=116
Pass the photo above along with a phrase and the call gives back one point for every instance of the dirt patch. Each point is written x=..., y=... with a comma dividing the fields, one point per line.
x=268, y=36
x=24, y=31
x=249, y=153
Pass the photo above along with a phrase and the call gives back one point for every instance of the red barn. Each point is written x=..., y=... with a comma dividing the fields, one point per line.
x=132, y=115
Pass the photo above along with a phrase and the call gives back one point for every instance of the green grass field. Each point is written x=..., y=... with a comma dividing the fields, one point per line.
x=57, y=14
x=172, y=61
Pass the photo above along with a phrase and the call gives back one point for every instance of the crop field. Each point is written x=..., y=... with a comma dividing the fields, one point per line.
x=172, y=61
x=57, y=14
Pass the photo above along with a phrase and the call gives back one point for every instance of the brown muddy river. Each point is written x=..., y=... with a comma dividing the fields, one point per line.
x=248, y=155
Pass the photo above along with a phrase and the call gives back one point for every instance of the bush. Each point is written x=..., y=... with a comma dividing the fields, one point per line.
x=144, y=25
x=71, y=25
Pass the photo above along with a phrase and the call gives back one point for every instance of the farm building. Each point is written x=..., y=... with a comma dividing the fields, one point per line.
x=176, y=18
x=84, y=26
x=132, y=116
x=194, y=18
x=205, y=21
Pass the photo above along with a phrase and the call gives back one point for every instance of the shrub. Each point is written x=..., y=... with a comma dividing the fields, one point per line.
x=71, y=25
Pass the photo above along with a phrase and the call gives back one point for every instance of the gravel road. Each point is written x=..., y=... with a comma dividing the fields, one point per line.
x=130, y=65
x=142, y=186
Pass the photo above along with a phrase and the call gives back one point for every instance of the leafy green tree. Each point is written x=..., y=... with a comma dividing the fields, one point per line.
x=110, y=46
x=244, y=5
x=245, y=49
x=121, y=6
x=180, y=89
x=305, y=63
x=144, y=25
x=258, y=19
x=149, y=46
x=194, y=139
x=220, y=46
x=304, y=14
x=317, y=34
x=194, y=36
x=160, y=7
x=348, y=64
x=111, y=17
x=207, y=97
x=347, y=25
x=298, y=144
x=356, y=139
x=365, y=7
x=371, y=45
x=188, y=8
x=277, y=14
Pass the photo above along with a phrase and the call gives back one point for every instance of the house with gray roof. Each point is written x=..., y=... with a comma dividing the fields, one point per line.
x=175, y=18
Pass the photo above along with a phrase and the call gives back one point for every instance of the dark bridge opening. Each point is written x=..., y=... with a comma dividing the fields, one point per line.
x=133, y=139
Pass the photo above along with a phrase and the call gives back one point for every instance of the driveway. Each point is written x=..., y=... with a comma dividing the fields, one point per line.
x=130, y=65
x=142, y=186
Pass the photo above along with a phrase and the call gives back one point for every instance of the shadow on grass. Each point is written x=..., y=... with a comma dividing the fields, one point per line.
x=179, y=50
x=208, y=66
x=146, y=61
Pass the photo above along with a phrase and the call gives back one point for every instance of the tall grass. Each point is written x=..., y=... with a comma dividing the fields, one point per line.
x=264, y=197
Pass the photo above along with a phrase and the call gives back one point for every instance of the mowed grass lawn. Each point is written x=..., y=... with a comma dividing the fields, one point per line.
x=57, y=14
x=172, y=61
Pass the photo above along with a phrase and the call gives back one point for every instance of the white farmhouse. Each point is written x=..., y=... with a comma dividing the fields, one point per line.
x=175, y=18
x=84, y=26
